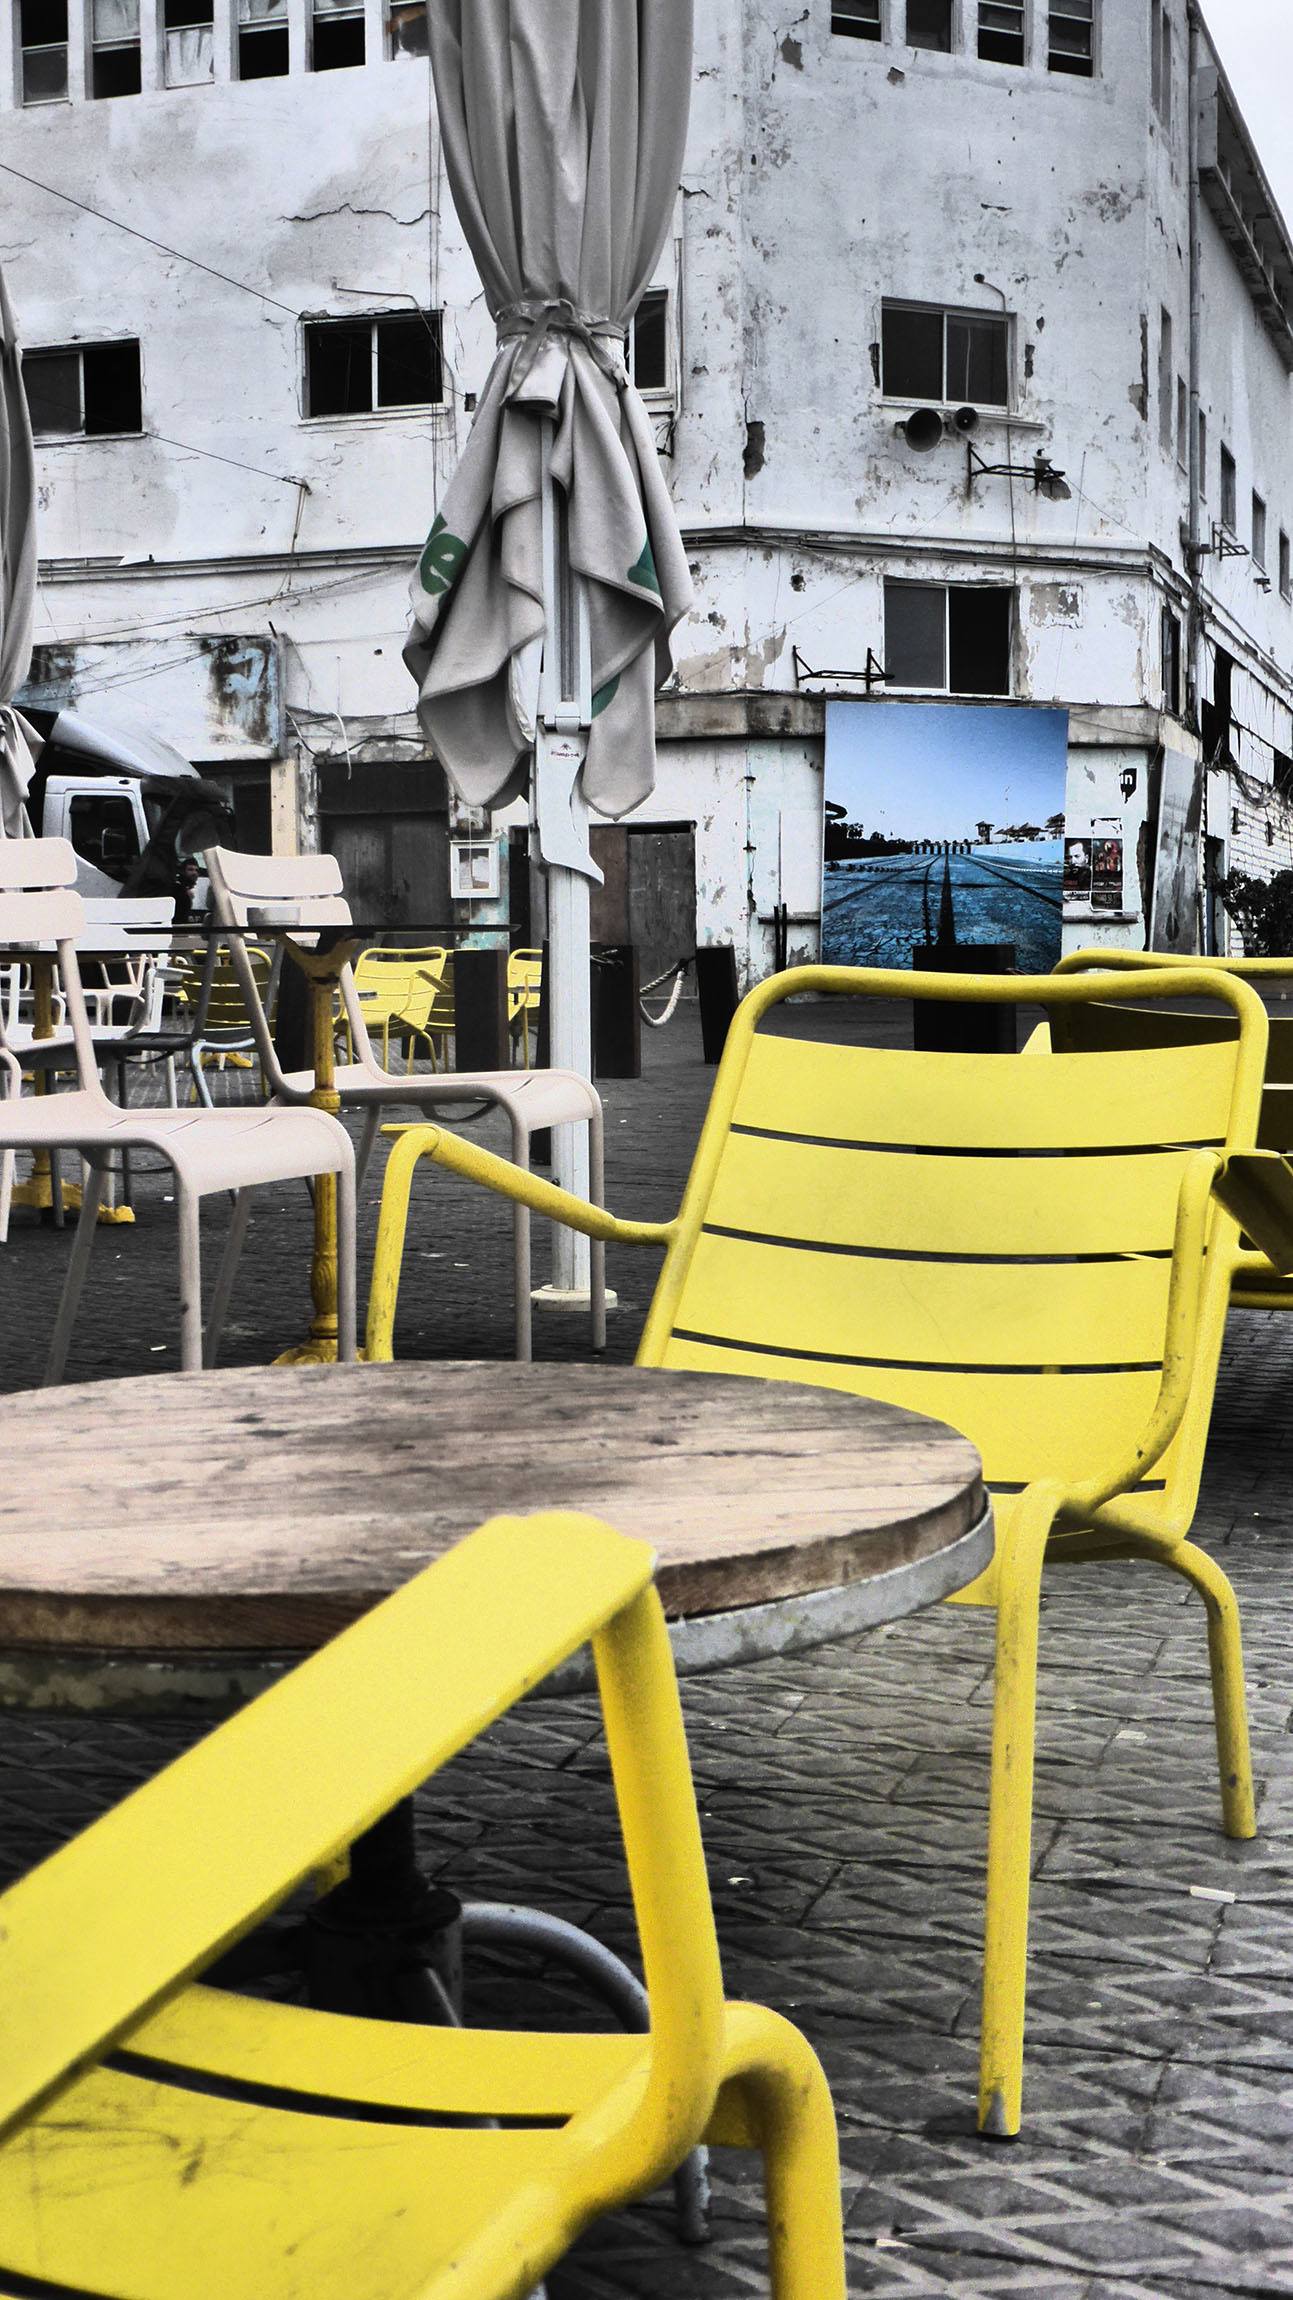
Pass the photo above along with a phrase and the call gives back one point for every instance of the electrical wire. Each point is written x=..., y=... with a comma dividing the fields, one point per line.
x=178, y=254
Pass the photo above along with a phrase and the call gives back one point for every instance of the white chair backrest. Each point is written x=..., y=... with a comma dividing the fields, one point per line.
x=114, y=923
x=37, y=901
x=307, y=890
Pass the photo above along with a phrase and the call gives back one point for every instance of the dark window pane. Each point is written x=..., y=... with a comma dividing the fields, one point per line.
x=911, y=344
x=52, y=380
x=44, y=23
x=115, y=72
x=1229, y=490
x=408, y=361
x=978, y=641
x=1072, y=38
x=263, y=55
x=408, y=28
x=915, y=653
x=339, y=367
x=104, y=832
x=338, y=43
x=1001, y=31
x=650, y=342
x=976, y=360
x=179, y=14
x=112, y=395
x=858, y=19
x=929, y=24
x=44, y=75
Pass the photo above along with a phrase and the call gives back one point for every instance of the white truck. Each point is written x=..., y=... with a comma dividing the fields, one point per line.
x=133, y=808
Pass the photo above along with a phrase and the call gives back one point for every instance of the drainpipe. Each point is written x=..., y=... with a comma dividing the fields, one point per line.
x=1194, y=535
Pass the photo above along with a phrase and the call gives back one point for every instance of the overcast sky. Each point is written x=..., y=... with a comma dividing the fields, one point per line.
x=1254, y=40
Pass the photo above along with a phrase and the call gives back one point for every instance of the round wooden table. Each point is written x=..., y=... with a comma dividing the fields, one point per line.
x=181, y=1538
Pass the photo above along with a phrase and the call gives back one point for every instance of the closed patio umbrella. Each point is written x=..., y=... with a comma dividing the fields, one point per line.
x=554, y=572
x=17, y=571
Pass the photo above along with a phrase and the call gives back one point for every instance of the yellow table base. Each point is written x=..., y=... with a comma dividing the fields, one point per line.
x=38, y=1196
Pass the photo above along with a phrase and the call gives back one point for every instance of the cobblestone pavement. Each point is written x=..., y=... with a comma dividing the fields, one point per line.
x=843, y=1803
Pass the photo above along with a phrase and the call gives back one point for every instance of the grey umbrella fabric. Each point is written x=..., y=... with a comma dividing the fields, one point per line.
x=563, y=124
x=17, y=569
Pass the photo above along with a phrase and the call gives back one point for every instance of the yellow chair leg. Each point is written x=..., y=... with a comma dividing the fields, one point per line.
x=1010, y=1819
x=1229, y=1702
x=775, y=2098
x=388, y=1258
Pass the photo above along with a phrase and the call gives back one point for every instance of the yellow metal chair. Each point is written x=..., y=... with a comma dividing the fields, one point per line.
x=217, y=1009
x=524, y=992
x=1257, y=1284
x=397, y=990
x=1000, y=1242
x=164, y=2141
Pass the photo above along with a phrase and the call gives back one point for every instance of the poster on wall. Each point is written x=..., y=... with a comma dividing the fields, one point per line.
x=944, y=828
x=1174, y=920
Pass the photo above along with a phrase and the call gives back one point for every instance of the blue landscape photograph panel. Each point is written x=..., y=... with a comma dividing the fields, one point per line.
x=944, y=828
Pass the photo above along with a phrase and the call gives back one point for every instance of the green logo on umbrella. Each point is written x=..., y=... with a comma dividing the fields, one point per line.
x=644, y=570
x=441, y=561
x=605, y=696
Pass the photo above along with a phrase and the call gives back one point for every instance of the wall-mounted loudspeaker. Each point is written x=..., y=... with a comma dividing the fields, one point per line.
x=923, y=431
x=966, y=421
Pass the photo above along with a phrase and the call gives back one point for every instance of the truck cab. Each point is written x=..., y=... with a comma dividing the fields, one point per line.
x=132, y=808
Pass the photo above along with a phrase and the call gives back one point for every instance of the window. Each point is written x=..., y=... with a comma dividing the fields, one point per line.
x=1286, y=568
x=406, y=28
x=1071, y=37
x=353, y=366
x=103, y=831
x=1229, y=490
x=929, y=24
x=648, y=345
x=950, y=638
x=1283, y=776
x=857, y=19
x=92, y=389
x=190, y=42
x=1203, y=454
x=959, y=358
x=1259, y=532
x=1160, y=60
x=337, y=35
x=114, y=59
x=43, y=25
x=1171, y=660
x=1182, y=423
x=1166, y=400
x=1002, y=32
x=262, y=39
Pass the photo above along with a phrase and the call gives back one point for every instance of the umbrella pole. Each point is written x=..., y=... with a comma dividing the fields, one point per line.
x=561, y=818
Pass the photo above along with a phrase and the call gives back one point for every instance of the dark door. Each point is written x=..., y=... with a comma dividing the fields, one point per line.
x=388, y=826
x=662, y=897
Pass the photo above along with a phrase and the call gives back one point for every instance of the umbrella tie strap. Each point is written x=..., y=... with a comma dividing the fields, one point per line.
x=533, y=323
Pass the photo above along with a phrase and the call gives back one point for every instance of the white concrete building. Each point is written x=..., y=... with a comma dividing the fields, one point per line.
x=1047, y=211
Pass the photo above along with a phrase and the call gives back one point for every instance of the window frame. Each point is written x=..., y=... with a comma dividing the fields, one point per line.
x=375, y=412
x=351, y=12
x=1182, y=423
x=946, y=312
x=396, y=54
x=24, y=49
x=1260, y=531
x=77, y=351
x=1166, y=381
x=655, y=394
x=1067, y=11
x=845, y=28
x=1229, y=485
x=1009, y=63
x=1286, y=565
x=1008, y=591
x=955, y=32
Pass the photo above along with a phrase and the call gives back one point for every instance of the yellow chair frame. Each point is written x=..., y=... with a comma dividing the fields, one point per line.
x=524, y=993
x=180, y=2143
x=399, y=988
x=1258, y=1285
x=904, y=1225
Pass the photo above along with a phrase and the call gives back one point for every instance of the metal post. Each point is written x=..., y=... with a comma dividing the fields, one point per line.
x=561, y=819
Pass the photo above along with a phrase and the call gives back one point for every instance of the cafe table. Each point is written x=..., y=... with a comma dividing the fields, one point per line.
x=175, y=1542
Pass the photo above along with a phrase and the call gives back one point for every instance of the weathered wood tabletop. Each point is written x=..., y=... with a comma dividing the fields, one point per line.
x=254, y=1511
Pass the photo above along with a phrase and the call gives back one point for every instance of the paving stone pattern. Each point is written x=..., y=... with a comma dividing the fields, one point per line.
x=843, y=1798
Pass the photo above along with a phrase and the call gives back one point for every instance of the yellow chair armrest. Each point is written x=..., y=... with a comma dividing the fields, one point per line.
x=510, y=1181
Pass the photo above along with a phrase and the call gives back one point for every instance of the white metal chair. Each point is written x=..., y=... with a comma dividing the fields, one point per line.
x=242, y=885
x=207, y=1150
